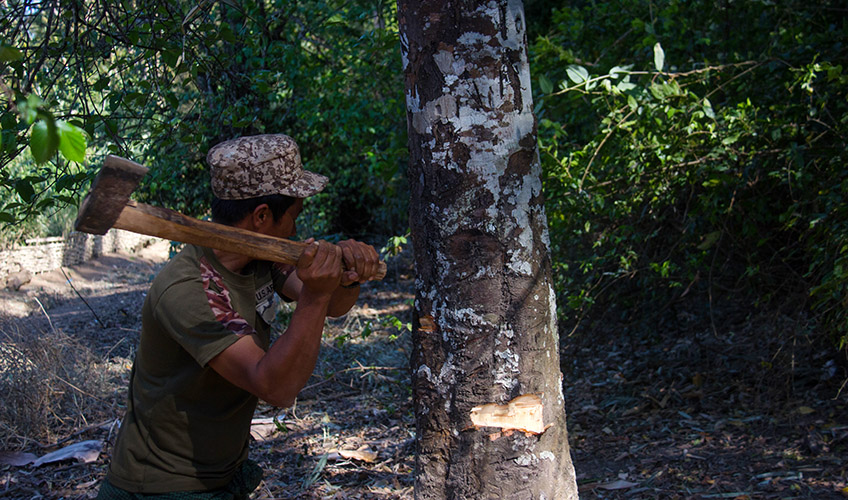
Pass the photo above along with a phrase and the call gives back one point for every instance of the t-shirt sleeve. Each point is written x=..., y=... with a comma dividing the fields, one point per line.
x=202, y=321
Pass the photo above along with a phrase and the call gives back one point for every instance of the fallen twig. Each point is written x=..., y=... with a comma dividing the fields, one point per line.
x=49, y=321
x=82, y=298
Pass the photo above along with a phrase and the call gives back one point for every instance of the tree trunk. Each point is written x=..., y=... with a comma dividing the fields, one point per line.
x=485, y=314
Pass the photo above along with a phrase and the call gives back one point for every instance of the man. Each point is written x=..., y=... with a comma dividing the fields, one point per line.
x=204, y=359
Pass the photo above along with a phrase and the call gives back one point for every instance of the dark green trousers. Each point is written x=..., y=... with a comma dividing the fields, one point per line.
x=246, y=480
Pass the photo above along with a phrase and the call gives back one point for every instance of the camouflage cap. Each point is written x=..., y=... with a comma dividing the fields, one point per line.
x=261, y=165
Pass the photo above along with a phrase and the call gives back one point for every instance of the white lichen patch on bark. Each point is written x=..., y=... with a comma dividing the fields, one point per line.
x=404, y=49
x=531, y=459
x=505, y=335
x=525, y=253
x=425, y=373
x=467, y=316
x=554, y=332
x=506, y=372
x=443, y=382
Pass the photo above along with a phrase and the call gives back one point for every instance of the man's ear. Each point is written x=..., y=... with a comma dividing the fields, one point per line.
x=262, y=215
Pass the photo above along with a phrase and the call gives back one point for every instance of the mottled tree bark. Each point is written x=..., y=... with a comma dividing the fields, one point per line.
x=485, y=314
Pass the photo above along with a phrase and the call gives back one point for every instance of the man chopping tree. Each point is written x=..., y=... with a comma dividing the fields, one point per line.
x=204, y=358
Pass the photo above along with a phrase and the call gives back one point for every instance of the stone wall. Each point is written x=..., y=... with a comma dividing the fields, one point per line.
x=42, y=255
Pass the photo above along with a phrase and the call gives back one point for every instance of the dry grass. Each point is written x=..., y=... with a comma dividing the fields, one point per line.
x=50, y=386
x=63, y=379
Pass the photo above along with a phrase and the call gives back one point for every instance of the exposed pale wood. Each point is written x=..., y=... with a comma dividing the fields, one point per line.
x=523, y=413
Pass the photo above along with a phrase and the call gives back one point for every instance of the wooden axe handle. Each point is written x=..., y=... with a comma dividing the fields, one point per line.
x=171, y=225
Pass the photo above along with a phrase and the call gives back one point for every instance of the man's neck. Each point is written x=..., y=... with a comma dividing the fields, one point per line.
x=232, y=261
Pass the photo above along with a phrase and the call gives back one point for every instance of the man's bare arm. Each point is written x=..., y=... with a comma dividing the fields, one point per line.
x=278, y=375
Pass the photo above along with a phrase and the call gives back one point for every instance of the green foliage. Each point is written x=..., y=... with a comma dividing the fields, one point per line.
x=394, y=246
x=161, y=82
x=696, y=145
x=389, y=323
x=34, y=186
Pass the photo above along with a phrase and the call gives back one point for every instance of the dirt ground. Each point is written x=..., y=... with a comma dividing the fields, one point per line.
x=697, y=411
x=350, y=434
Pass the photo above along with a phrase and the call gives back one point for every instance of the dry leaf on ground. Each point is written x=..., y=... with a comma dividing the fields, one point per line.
x=16, y=458
x=621, y=484
x=84, y=451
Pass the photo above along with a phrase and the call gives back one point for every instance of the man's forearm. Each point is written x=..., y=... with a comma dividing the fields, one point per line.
x=289, y=363
x=343, y=300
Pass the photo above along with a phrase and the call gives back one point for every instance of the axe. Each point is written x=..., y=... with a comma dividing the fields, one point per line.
x=108, y=205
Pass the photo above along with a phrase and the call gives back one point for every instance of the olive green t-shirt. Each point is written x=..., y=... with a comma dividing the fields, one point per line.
x=186, y=427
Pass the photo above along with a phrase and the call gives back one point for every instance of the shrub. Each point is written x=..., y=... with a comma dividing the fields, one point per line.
x=696, y=145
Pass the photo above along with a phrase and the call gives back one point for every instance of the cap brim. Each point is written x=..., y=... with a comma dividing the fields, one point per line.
x=308, y=184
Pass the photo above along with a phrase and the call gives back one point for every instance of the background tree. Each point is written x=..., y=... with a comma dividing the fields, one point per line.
x=484, y=321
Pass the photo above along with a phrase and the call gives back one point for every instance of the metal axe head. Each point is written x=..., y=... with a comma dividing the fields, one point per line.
x=108, y=195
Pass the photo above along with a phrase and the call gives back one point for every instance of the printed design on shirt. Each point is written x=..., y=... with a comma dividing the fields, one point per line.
x=219, y=300
x=266, y=304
